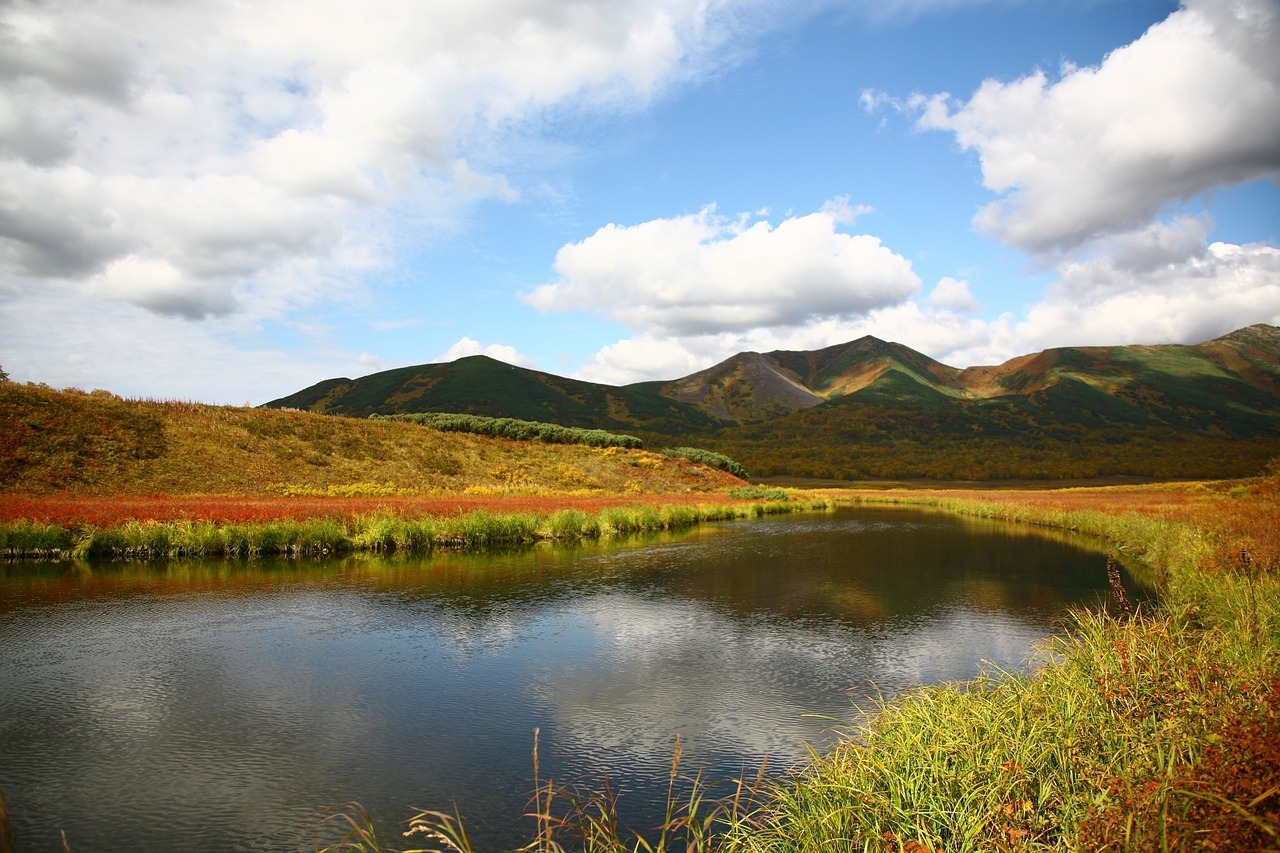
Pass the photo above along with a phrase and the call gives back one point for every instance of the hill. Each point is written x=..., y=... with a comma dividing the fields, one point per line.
x=873, y=408
x=97, y=443
x=480, y=385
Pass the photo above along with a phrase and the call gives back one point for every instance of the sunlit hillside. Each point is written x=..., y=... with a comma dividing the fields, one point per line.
x=97, y=443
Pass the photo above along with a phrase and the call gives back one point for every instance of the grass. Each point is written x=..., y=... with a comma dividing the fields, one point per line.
x=1124, y=710
x=379, y=530
x=1135, y=731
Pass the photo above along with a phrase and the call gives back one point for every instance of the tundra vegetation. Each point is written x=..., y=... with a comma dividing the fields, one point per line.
x=1148, y=729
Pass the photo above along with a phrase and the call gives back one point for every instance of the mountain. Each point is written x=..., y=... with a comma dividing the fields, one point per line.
x=877, y=408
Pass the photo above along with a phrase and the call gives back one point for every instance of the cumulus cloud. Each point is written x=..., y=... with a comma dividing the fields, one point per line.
x=703, y=273
x=501, y=352
x=1157, y=284
x=1105, y=299
x=1160, y=283
x=1190, y=106
x=953, y=295
x=208, y=149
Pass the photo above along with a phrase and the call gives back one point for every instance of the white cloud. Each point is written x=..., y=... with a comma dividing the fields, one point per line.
x=121, y=347
x=158, y=286
x=1213, y=290
x=705, y=274
x=1192, y=105
x=1156, y=284
x=224, y=143
x=646, y=357
x=501, y=352
x=953, y=295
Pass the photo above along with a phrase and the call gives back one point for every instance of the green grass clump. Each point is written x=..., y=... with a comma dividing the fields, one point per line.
x=158, y=539
x=23, y=538
x=481, y=529
x=393, y=532
x=569, y=525
x=377, y=531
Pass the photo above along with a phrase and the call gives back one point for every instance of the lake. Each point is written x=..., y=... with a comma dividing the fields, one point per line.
x=218, y=705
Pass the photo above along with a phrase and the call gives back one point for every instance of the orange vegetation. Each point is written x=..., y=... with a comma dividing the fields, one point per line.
x=78, y=510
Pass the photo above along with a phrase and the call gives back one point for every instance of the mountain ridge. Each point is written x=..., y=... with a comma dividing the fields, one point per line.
x=868, y=392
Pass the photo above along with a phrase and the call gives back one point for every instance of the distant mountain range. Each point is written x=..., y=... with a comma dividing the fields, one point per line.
x=873, y=408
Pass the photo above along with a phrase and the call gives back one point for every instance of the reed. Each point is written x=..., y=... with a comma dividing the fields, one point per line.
x=26, y=538
x=568, y=525
x=391, y=532
x=483, y=529
x=571, y=817
x=1008, y=762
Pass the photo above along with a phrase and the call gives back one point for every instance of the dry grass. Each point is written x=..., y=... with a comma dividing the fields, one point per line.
x=66, y=441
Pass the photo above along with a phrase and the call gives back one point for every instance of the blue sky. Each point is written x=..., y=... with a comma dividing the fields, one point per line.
x=223, y=203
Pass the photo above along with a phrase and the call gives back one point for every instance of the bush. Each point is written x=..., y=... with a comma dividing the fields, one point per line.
x=758, y=493
x=707, y=457
x=515, y=429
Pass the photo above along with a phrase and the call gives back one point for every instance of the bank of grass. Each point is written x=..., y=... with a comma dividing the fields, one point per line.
x=1135, y=731
x=373, y=531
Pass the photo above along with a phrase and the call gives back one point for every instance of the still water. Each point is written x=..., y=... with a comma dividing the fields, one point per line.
x=217, y=705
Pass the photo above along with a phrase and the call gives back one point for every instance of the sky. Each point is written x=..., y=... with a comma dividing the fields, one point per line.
x=227, y=202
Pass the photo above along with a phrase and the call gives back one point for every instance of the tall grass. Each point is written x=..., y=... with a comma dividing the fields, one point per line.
x=375, y=531
x=24, y=538
x=571, y=817
x=1054, y=761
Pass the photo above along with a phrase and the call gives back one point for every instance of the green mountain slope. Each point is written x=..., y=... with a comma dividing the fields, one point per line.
x=480, y=385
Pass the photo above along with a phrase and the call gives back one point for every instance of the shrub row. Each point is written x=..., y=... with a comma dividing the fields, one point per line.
x=707, y=457
x=515, y=429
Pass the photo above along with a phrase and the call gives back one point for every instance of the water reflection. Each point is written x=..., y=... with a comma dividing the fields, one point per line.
x=215, y=705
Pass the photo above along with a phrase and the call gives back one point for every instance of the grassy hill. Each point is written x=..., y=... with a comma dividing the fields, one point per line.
x=480, y=385
x=97, y=443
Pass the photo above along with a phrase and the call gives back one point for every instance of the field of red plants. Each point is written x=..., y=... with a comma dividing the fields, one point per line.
x=87, y=510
